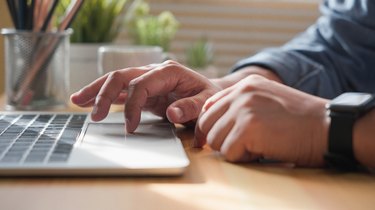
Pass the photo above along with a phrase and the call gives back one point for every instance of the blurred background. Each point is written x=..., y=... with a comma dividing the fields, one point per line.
x=234, y=28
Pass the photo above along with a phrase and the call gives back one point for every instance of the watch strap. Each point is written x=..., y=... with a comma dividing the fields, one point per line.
x=340, y=153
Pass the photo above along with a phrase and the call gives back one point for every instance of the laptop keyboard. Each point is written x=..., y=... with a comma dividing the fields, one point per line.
x=38, y=138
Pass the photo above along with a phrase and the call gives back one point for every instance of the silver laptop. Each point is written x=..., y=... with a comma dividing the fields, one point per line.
x=71, y=144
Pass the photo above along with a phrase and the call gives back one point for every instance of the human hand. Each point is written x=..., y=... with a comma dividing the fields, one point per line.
x=168, y=90
x=258, y=117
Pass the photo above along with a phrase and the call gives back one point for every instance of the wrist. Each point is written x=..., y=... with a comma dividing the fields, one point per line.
x=235, y=77
x=322, y=145
x=349, y=138
x=319, y=135
x=363, y=140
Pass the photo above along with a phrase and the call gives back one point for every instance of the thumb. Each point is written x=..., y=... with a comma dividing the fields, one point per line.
x=186, y=109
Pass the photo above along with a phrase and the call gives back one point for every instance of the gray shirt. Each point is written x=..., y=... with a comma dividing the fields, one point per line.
x=335, y=55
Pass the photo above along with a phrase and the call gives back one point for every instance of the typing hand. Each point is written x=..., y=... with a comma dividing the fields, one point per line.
x=168, y=90
x=261, y=118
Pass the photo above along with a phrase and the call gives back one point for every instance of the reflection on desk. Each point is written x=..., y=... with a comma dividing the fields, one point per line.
x=209, y=183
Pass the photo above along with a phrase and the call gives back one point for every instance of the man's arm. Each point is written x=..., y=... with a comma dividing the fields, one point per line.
x=333, y=56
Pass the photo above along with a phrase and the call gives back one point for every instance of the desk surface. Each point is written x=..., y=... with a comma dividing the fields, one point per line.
x=209, y=183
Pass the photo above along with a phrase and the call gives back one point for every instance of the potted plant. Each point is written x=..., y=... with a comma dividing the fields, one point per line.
x=146, y=29
x=98, y=23
x=199, y=57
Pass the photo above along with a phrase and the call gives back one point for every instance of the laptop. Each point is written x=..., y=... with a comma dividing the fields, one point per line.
x=70, y=144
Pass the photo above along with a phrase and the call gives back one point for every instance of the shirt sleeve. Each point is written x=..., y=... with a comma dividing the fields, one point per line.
x=335, y=55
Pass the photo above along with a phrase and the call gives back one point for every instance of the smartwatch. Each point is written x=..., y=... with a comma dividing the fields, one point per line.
x=344, y=111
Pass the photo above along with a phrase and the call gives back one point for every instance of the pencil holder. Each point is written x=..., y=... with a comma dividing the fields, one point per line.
x=36, y=69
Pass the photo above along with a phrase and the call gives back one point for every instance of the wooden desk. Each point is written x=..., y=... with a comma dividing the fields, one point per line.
x=209, y=183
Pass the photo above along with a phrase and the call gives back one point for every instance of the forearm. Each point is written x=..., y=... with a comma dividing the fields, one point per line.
x=329, y=58
x=364, y=140
x=233, y=78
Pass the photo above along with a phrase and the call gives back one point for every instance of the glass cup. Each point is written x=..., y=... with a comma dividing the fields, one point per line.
x=36, y=69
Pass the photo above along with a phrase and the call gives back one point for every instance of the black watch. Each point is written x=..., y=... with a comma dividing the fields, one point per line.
x=344, y=110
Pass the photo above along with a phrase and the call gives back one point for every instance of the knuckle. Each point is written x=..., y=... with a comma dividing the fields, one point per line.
x=171, y=62
x=248, y=87
x=248, y=100
x=194, y=105
x=134, y=83
x=173, y=67
x=230, y=154
x=252, y=83
x=252, y=119
x=255, y=79
x=114, y=75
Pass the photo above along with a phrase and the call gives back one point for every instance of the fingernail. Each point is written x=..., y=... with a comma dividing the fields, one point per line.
x=94, y=109
x=178, y=112
x=127, y=125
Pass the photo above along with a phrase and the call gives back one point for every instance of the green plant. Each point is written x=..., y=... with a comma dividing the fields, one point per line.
x=199, y=54
x=97, y=20
x=146, y=29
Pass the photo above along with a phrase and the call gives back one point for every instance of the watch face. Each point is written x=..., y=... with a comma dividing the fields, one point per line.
x=350, y=101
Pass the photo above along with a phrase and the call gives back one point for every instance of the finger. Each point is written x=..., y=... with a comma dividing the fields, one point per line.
x=158, y=82
x=90, y=103
x=207, y=119
x=219, y=131
x=213, y=99
x=233, y=147
x=186, y=109
x=112, y=88
x=88, y=93
x=199, y=138
x=120, y=100
x=91, y=91
x=251, y=83
x=108, y=93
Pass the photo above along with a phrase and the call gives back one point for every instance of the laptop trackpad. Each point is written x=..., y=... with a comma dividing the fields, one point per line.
x=151, y=143
x=113, y=134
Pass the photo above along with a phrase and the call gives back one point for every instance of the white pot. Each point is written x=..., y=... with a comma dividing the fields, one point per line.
x=83, y=64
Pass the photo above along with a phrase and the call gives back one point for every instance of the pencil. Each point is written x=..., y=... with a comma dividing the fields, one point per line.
x=49, y=15
x=70, y=14
x=30, y=15
x=37, y=9
x=21, y=14
x=45, y=54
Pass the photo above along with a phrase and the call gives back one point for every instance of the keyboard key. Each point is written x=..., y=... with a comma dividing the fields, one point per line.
x=35, y=158
x=11, y=158
x=58, y=157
